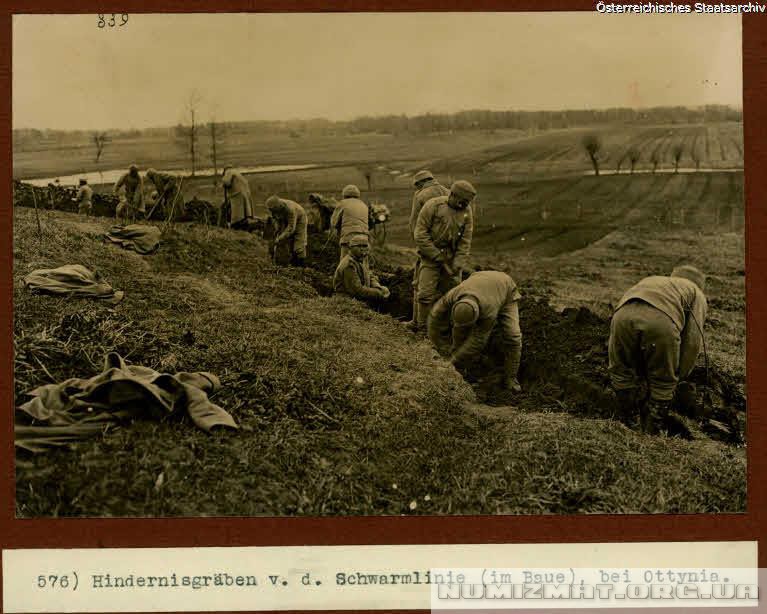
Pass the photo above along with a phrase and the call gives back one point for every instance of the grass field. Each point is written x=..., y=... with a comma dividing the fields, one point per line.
x=341, y=411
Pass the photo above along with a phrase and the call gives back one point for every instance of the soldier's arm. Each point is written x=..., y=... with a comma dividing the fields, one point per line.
x=425, y=245
x=438, y=327
x=290, y=225
x=464, y=245
x=336, y=220
x=353, y=285
x=474, y=343
x=119, y=184
x=692, y=335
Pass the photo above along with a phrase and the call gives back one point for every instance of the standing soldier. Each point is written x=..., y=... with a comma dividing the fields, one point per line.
x=134, y=191
x=168, y=191
x=656, y=334
x=237, y=196
x=84, y=198
x=443, y=237
x=351, y=217
x=290, y=218
x=426, y=188
x=463, y=321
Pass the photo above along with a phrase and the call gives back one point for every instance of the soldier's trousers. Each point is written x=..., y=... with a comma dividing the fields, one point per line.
x=644, y=344
x=433, y=282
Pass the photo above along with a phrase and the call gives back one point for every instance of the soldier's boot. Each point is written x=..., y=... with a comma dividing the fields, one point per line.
x=655, y=417
x=627, y=402
x=511, y=369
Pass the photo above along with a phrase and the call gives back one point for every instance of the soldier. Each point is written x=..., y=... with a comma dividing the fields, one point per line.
x=351, y=217
x=462, y=322
x=168, y=192
x=290, y=218
x=353, y=276
x=443, y=237
x=134, y=191
x=84, y=198
x=321, y=211
x=426, y=188
x=237, y=195
x=656, y=334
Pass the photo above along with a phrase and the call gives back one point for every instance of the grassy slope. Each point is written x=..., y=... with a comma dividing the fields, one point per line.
x=313, y=441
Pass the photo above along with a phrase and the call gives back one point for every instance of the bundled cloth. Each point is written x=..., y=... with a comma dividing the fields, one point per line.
x=78, y=408
x=72, y=280
x=141, y=239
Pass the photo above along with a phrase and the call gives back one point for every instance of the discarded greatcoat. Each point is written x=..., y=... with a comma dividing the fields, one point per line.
x=354, y=278
x=351, y=217
x=291, y=225
x=654, y=334
x=134, y=191
x=78, y=408
x=137, y=237
x=497, y=296
x=85, y=199
x=442, y=236
x=240, y=200
x=72, y=280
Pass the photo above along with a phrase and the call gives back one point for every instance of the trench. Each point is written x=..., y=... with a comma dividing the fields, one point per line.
x=564, y=359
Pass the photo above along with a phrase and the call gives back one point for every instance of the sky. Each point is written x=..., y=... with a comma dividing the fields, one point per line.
x=69, y=74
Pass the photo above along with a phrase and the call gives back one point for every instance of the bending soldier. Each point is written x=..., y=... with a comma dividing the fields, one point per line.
x=291, y=222
x=237, y=197
x=134, y=193
x=84, y=198
x=168, y=192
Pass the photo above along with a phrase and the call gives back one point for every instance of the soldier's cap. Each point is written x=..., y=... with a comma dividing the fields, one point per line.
x=357, y=240
x=463, y=189
x=133, y=168
x=692, y=273
x=83, y=181
x=422, y=176
x=150, y=172
x=465, y=312
x=273, y=201
x=350, y=191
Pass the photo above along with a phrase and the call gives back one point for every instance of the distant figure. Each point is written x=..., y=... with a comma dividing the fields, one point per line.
x=656, y=334
x=290, y=219
x=442, y=235
x=134, y=192
x=353, y=276
x=350, y=218
x=237, y=196
x=168, y=193
x=463, y=321
x=426, y=188
x=84, y=198
x=322, y=211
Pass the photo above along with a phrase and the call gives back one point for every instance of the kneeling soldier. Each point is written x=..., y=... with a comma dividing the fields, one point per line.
x=353, y=276
x=462, y=322
x=656, y=334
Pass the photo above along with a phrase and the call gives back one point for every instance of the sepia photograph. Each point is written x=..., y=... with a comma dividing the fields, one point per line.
x=378, y=264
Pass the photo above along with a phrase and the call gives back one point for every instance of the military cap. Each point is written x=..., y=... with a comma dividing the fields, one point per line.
x=465, y=312
x=351, y=191
x=422, y=176
x=691, y=273
x=463, y=189
x=133, y=168
x=273, y=201
x=357, y=240
x=83, y=181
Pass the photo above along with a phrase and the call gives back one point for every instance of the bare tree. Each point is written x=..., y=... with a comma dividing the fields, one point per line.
x=593, y=145
x=633, y=155
x=100, y=139
x=695, y=155
x=189, y=135
x=677, y=152
x=655, y=159
x=216, y=134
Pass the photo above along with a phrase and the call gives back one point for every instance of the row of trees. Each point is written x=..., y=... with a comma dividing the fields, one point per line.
x=593, y=147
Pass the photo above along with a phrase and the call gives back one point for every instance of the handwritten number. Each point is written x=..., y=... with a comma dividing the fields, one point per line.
x=124, y=17
x=101, y=23
x=112, y=21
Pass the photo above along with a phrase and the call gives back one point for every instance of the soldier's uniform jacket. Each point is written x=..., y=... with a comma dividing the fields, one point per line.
x=238, y=192
x=431, y=190
x=164, y=182
x=494, y=292
x=354, y=278
x=134, y=189
x=291, y=219
x=438, y=229
x=85, y=195
x=350, y=217
x=677, y=297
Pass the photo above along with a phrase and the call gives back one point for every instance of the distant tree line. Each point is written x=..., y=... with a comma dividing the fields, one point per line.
x=428, y=123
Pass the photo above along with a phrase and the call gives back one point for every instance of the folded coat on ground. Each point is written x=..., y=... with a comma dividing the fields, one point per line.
x=140, y=238
x=78, y=408
x=72, y=280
